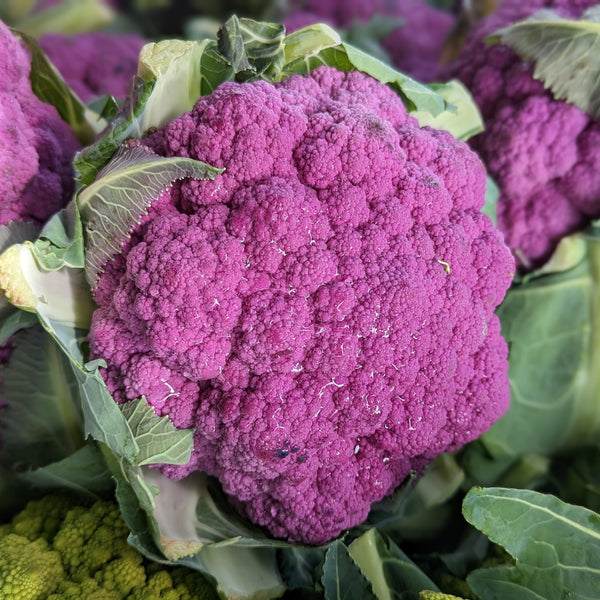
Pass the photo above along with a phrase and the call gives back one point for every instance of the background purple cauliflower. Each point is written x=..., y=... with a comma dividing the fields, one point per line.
x=322, y=313
x=414, y=47
x=541, y=151
x=36, y=145
x=105, y=62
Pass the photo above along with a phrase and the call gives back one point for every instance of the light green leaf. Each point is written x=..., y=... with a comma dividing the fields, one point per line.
x=43, y=422
x=316, y=45
x=61, y=297
x=342, y=578
x=461, y=117
x=60, y=243
x=180, y=65
x=392, y=574
x=492, y=193
x=49, y=86
x=158, y=439
x=115, y=203
x=566, y=54
x=555, y=545
x=69, y=17
x=554, y=401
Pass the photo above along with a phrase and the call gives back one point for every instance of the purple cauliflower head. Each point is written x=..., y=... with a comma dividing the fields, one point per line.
x=540, y=151
x=36, y=145
x=105, y=63
x=322, y=313
x=414, y=47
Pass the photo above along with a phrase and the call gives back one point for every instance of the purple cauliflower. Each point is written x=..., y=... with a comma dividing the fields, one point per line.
x=322, y=313
x=541, y=151
x=105, y=62
x=36, y=145
x=414, y=47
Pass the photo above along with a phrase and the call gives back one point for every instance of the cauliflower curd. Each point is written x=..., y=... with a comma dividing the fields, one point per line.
x=322, y=313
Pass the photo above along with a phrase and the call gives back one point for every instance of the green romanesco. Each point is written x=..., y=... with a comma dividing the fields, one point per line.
x=27, y=569
x=56, y=549
x=430, y=595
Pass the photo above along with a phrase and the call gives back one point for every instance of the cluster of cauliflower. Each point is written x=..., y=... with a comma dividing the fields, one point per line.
x=322, y=313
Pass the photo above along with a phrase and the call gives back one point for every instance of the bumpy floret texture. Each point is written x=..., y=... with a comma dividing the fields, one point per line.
x=322, y=313
x=55, y=549
x=36, y=145
x=414, y=46
x=541, y=151
x=105, y=62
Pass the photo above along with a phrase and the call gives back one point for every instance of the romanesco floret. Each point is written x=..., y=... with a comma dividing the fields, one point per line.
x=28, y=570
x=57, y=550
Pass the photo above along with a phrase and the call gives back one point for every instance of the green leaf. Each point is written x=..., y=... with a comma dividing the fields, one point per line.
x=103, y=419
x=492, y=193
x=551, y=323
x=566, y=54
x=43, y=421
x=158, y=439
x=60, y=297
x=125, y=125
x=12, y=233
x=555, y=545
x=69, y=17
x=342, y=578
x=115, y=203
x=251, y=47
x=301, y=566
x=84, y=473
x=192, y=68
x=316, y=45
x=49, y=86
x=60, y=243
x=392, y=574
x=461, y=116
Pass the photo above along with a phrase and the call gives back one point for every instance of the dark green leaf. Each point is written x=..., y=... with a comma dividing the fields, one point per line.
x=49, y=86
x=342, y=578
x=43, y=420
x=125, y=125
x=301, y=567
x=160, y=442
x=556, y=546
x=390, y=571
x=114, y=204
x=566, y=54
x=84, y=473
x=252, y=47
x=103, y=419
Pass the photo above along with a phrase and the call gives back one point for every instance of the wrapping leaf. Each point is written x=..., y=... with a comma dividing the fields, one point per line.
x=556, y=546
x=554, y=318
x=342, y=578
x=566, y=54
x=158, y=439
x=115, y=203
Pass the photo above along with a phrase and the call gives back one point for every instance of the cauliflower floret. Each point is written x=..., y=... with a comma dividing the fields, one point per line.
x=322, y=314
x=538, y=149
x=36, y=145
